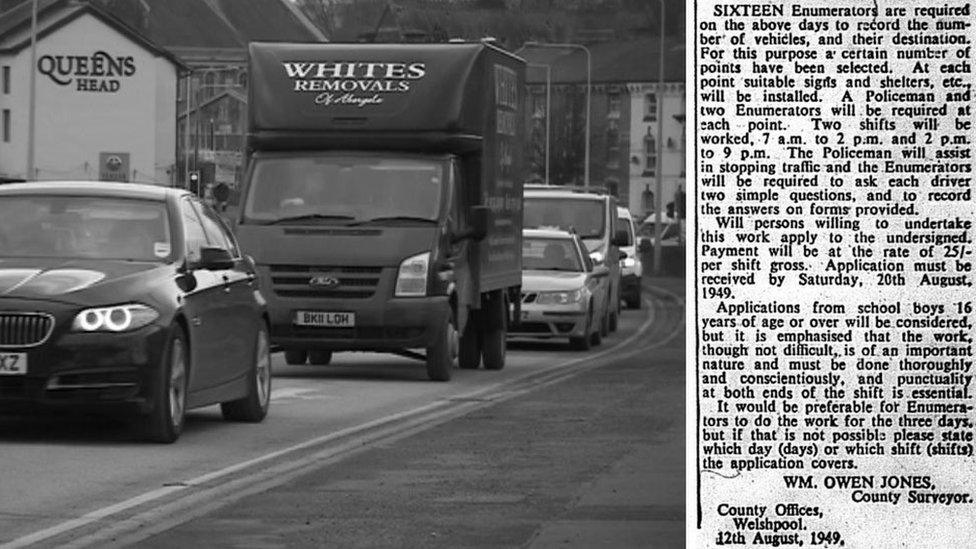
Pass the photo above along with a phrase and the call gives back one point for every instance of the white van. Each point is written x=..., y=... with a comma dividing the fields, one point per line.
x=631, y=268
x=591, y=215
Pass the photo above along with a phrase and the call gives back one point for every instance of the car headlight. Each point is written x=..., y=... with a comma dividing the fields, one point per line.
x=597, y=257
x=628, y=262
x=412, y=276
x=118, y=318
x=559, y=298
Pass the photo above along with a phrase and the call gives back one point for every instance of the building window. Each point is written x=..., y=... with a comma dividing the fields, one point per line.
x=613, y=100
x=613, y=143
x=6, y=125
x=650, y=154
x=650, y=107
x=6, y=79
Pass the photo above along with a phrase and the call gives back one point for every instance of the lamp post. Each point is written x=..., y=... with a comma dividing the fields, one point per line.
x=548, y=99
x=659, y=163
x=32, y=108
x=586, y=146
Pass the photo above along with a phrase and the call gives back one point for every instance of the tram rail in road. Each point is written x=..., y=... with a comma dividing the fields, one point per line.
x=154, y=511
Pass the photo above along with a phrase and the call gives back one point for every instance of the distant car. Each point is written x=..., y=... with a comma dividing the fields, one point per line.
x=631, y=268
x=127, y=298
x=563, y=293
x=670, y=234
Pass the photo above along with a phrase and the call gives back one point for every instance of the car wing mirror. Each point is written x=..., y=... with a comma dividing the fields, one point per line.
x=477, y=225
x=215, y=259
x=600, y=271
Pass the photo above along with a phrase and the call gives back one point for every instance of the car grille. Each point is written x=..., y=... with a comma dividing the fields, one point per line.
x=354, y=282
x=24, y=329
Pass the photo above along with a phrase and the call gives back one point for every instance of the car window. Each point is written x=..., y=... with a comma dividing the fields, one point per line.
x=194, y=235
x=550, y=254
x=213, y=227
x=624, y=224
x=587, y=261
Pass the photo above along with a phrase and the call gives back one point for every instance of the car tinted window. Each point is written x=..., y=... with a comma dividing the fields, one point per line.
x=194, y=235
x=84, y=227
x=217, y=235
x=624, y=224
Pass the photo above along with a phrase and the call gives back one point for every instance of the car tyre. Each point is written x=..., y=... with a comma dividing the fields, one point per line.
x=441, y=355
x=254, y=406
x=320, y=358
x=164, y=424
x=635, y=302
x=583, y=343
x=604, y=330
x=613, y=319
x=296, y=357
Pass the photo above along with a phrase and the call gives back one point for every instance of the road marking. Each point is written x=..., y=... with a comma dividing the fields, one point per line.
x=417, y=420
x=301, y=393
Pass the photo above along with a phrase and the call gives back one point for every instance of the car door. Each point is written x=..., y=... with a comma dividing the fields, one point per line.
x=239, y=325
x=205, y=306
x=598, y=281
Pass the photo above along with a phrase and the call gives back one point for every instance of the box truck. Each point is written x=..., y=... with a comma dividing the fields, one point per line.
x=382, y=201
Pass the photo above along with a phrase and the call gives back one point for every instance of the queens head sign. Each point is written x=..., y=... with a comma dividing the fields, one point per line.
x=97, y=72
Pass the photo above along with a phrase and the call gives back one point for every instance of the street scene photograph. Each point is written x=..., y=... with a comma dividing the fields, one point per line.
x=342, y=273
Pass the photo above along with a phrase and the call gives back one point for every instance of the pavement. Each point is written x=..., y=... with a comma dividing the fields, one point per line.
x=595, y=460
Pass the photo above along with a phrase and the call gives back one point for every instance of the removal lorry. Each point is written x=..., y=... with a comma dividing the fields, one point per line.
x=382, y=200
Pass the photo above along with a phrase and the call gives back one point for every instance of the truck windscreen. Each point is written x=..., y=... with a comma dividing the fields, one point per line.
x=584, y=216
x=344, y=190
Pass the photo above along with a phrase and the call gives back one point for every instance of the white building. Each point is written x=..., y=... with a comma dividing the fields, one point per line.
x=105, y=99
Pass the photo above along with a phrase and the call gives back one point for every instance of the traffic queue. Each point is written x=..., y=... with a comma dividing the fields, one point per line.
x=383, y=209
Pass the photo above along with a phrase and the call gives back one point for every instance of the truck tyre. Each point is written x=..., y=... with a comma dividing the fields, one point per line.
x=319, y=358
x=296, y=357
x=493, y=351
x=469, y=346
x=441, y=355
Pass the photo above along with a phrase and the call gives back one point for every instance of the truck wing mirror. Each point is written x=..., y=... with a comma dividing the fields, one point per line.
x=620, y=238
x=477, y=225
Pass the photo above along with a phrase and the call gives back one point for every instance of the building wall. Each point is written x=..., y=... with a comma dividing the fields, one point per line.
x=643, y=123
x=73, y=126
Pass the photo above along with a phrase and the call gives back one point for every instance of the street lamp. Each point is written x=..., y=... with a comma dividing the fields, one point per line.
x=548, y=98
x=586, y=150
x=659, y=163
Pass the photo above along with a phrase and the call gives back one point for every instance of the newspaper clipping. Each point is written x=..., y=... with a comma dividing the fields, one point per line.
x=834, y=258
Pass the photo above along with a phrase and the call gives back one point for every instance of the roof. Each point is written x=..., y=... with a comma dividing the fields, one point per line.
x=561, y=192
x=54, y=14
x=611, y=62
x=92, y=188
x=546, y=233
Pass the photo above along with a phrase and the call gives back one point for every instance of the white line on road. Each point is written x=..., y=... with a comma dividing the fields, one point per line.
x=545, y=376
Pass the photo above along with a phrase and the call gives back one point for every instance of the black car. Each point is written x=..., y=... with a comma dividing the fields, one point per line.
x=127, y=298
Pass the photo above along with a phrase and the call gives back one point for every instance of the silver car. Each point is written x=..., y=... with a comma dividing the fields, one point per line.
x=563, y=293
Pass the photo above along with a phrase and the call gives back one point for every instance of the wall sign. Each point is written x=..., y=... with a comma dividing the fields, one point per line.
x=113, y=166
x=98, y=72
x=352, y=83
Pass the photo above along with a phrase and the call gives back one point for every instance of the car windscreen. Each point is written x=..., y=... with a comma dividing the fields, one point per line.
x=585, y=216
x=550, y=254
x=336, y=189
x=84, y=227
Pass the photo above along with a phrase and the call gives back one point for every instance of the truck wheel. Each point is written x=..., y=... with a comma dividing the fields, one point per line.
x=319, y=358
x=469, y=347
x=296, y=357
x=253, y=407
x=493, y=351
x=441, y=355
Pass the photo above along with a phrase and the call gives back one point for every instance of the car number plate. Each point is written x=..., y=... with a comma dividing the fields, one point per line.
x=13, y=364
x=325, y=320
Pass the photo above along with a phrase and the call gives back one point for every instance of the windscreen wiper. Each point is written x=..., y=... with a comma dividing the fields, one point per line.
x=394, y=218
x=307, y=217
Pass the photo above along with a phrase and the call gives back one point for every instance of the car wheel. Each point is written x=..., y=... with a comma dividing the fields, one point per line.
x=254, y=406
x=596, y=338
x=441, y=355
x=583, y=343
x=613, y=319
x=320, y=358
x=469, y=346
x=296, y=357
x=604, y=330
x=165, y=422
x=635, y=302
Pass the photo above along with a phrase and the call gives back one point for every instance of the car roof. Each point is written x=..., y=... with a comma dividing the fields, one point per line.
x=546, y=233
x=561, y=192
x=93, y=188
